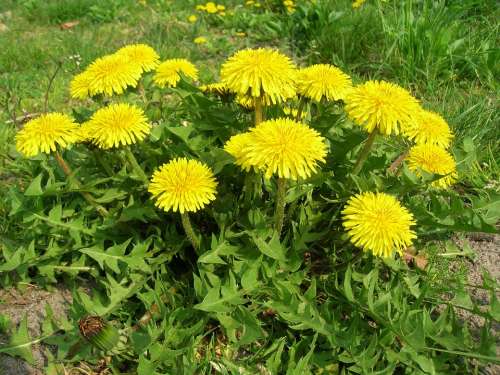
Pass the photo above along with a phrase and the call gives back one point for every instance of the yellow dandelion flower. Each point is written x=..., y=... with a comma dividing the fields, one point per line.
x=142, y=55
x=192, y=18
x=241, y=34
x=80, y=85
x=323, y=81
x=286, y=148
x=210, y=7
x=45, y=134
x=215, y=88
x=433, y=159
x=248, y=102
x=357, y=3
x=381, y=105
x=200, y=40
x=118, y=124
x=293, y=112
x=221, y=7
x=429, y=127
x=183, y=185
x=259, y=72
x=200, y=7
x=112, y=74
x=167, y=73
x=237, y=146
x=378, y=223
x=84, y=133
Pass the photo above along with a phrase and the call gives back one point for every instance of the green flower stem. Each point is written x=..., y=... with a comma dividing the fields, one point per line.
x=69, y=173
x=279, y=213
x=135, y=165
x=102, y=162
x=188, y=228
x=258, y=111
x=363, y=155
x=300, y=109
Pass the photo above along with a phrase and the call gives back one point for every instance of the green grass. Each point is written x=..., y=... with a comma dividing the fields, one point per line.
x=445, y=52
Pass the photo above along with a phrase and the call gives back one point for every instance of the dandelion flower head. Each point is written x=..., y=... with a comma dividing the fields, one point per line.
x=200, y=40
x=377, y=222
x=357, y=3
x=168, y=72
x=84, y=133
x=283, y=147
x=142, y=55
x=237, y=146
x=215, y=88
x=382, y=106
x=211, y=7
x=259, y=72
x=248, y=102
x=323, y=81
x=183, y=185
x=80, y=85
x=112, y=74
x=433, y=159
x=118, y=124
x=429, y=127
x=45, y=134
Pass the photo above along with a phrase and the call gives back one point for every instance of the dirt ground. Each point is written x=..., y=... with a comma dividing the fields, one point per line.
x=32, y=301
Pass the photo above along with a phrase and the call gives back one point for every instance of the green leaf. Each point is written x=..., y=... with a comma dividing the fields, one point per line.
x=495, y=307
x=249, y=279
x=213, y=256
x=20, y=343
x=146, y=367
x=213, y=302
x=273, y=363
x=302, y=366
x=462, y=298
x=251, y=329
x=272, y=249
x=412, y=283
x=115, y=255
x=221, y=299
x=347, y=284
x=182, y=132
x=35, y=188
x=111, y=195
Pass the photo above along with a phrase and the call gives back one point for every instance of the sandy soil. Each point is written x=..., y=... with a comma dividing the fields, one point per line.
x=15, y=304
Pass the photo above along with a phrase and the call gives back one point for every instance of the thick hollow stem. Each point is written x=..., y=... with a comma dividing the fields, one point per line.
x=69, y=173
x=135, y=164
x=300, y=109
x=279, y=213
x=188, y=228
x=258, y=111
x=363, y=155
